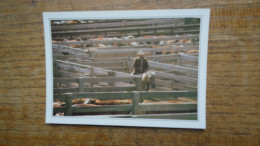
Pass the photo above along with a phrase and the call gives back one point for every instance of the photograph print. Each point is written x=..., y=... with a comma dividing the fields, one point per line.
x=132, y=68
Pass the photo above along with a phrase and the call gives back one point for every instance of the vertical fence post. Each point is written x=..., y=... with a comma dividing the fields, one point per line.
x=135, y=103
x=68, y=104
x=179, y=60
x=81, y=84
x=91, y=71
x=111, y=74
x=130, y=65
x=138, y=83
x=154, y=53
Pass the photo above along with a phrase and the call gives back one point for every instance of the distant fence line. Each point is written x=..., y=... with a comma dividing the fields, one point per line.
x=195, y=27
x=139, y=33
x=128, y=40
x=124, y=28
x=123, y=23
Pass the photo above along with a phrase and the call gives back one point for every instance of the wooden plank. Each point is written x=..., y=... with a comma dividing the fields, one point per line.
x=173, y=107
x=81, y=84
x=65, y=90
x=162, y=94
x=186, y=87
x=109, y=59
x=86, y=68
x=185, y=64
x=109, y=89
x=177, y=78
x=161, y=88
x=72, y=75
x=177, y=44
x=135, y=50
x=113, y=24
x=186, y=57
x=85, y=56
x=135, y=103
x=109, y=79
x=82, y=69
x=129, y=40
x=171, y=58
x=133, y=33
x=98, y=95
x=65, y=80
x=162, y=56
x=68, y=105
x=167, y=26
x=164, y=83
x=82, y=80
x=62, y=48
x=106, y=109
x=121, y=69
x=106, y=63
x=138, y=82
x=181, y=69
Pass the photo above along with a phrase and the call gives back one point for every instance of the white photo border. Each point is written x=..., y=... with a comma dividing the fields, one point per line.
x=200, y=123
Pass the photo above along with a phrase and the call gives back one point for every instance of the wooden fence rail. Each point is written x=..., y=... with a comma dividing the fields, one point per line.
x=137, y=106
x=83, y=80
x=167, y=26
x=88, y=69
x=186, y=81
x=117, y=24
x=135, y=50
x=139, y=33
x=128, y=40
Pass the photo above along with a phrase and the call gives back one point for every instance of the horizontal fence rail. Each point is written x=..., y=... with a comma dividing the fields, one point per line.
x=136, y=108
x=128, y=40
x=167, y=26
x=138, y=33
x=89, y=80
x=87, y=69
x=116, y=24
x=158, y=49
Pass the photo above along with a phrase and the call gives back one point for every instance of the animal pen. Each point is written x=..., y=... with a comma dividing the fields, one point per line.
x=93, y=61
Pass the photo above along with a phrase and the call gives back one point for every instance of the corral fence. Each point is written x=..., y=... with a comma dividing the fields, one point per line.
x=115, y=28
x=136, y=108
x=85, y=84
x=168, y=76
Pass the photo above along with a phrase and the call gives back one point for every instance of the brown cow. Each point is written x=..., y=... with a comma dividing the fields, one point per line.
x=112, y=102
x=100, y=102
